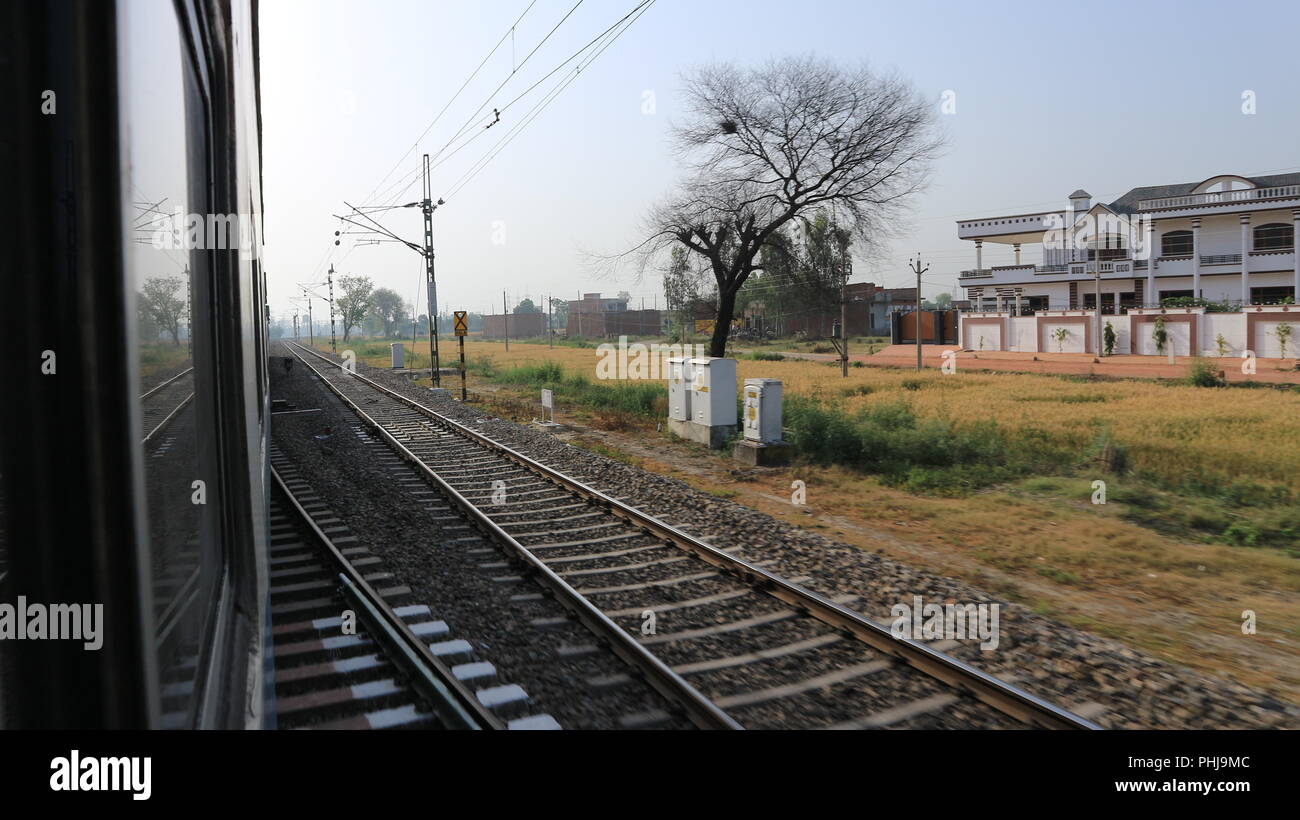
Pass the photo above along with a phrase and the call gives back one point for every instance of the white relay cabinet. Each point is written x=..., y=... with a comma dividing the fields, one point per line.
x=762, y=420
x=713, y=389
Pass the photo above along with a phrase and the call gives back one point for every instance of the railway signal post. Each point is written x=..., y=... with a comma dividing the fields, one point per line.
x=461, y=327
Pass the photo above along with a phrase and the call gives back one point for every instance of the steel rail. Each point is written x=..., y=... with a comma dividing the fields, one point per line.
x=184, y=372
x=702, y=711
x=170, y=416
x=450, y=699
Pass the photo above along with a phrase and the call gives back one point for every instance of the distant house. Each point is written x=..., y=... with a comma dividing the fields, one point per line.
x=1228, y=239
x=519, y=325
x=885, y=302
x=595, y=303
x=594, y=316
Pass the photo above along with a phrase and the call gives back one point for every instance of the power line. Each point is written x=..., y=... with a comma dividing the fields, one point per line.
x=438, y=116
x=473, y=117
x=542, y=104
x=596, y=41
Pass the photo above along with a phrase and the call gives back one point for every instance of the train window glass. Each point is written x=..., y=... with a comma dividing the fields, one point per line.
x=168, y=237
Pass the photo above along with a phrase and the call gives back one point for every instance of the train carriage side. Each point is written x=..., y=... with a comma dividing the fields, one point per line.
x=133, y=471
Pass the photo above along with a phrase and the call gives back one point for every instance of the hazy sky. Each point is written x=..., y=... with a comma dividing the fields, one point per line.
x=1050, y=97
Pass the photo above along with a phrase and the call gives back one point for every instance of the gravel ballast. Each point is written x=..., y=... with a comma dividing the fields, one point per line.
x=1112, y=684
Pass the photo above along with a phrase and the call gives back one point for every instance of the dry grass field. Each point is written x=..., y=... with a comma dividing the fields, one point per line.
x=1170, y=431
x=1168, y=564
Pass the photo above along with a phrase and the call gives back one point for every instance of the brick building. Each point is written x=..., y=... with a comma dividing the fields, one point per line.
x=520, y=325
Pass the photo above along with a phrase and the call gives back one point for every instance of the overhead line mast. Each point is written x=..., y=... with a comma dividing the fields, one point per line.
x=428, y=207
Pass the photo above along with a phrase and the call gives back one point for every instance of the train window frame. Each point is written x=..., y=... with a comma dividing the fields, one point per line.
x=210, y=590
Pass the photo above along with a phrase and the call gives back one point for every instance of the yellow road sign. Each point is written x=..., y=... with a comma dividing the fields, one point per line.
x=462, y=324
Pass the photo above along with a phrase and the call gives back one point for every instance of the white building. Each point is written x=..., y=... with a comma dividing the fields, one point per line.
x=1227, y=240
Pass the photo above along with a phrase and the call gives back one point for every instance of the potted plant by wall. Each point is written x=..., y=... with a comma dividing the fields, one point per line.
x=1222, y=344
x=1108, y=339
x=1060, y=335
x=1159, y=335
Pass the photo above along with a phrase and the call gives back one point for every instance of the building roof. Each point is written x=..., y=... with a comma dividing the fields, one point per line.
x=1080, y=193
x=1128, y=203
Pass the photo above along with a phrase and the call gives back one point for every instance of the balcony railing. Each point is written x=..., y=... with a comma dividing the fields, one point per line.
x=1221, y=259
x=1220, y=198
x=982, y=273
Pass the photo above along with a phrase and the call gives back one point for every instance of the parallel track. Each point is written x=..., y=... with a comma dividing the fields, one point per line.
x=161, y=405
x=382, y=676
x=565, y=531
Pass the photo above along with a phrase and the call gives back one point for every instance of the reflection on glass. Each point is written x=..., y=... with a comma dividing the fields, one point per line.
x=160, y=106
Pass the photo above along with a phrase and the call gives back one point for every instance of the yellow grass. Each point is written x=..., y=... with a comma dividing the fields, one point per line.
x=1169, y=431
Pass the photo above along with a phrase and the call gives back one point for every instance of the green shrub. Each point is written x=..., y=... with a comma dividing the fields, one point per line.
x=922, y=455
x=1241, y=534
x=1204, y=374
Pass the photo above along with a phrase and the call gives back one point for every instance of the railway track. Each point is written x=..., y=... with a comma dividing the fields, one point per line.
x=161, y=405
x=732, y=643
x=397, y=668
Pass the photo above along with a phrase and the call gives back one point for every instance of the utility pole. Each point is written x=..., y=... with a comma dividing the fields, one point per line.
x=505, y=319
x=844, y=325
x=311, y=323
x=550, y=331
x=428, y=206
x=918, y=270
x=334, y=344
x=189, y=316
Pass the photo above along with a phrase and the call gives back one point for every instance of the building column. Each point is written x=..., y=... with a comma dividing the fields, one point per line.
x=1196, y=258
x=1152, y=253
x=1295, y=253
x=979, y=255
x=1245, y=259
x=1017, y=247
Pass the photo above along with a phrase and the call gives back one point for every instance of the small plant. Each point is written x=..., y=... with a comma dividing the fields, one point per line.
x=981, y=342
x=1222, y=344
x=1159, y=335
x=1060, y=335
x=1108, y=338
x=1283, y=333
x=1203, y=374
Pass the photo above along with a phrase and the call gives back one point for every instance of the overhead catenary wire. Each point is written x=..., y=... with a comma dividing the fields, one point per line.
x=626, y=22
x=596, y=42
x=474, y=117
x=509, y=33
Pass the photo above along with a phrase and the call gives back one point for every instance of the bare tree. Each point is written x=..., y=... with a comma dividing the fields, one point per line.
x=160, y=297
x=354, y=301
x=775, y=144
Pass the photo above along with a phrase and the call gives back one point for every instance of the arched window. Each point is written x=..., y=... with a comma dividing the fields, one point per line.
x=1176, y=243
x=1274, y=236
